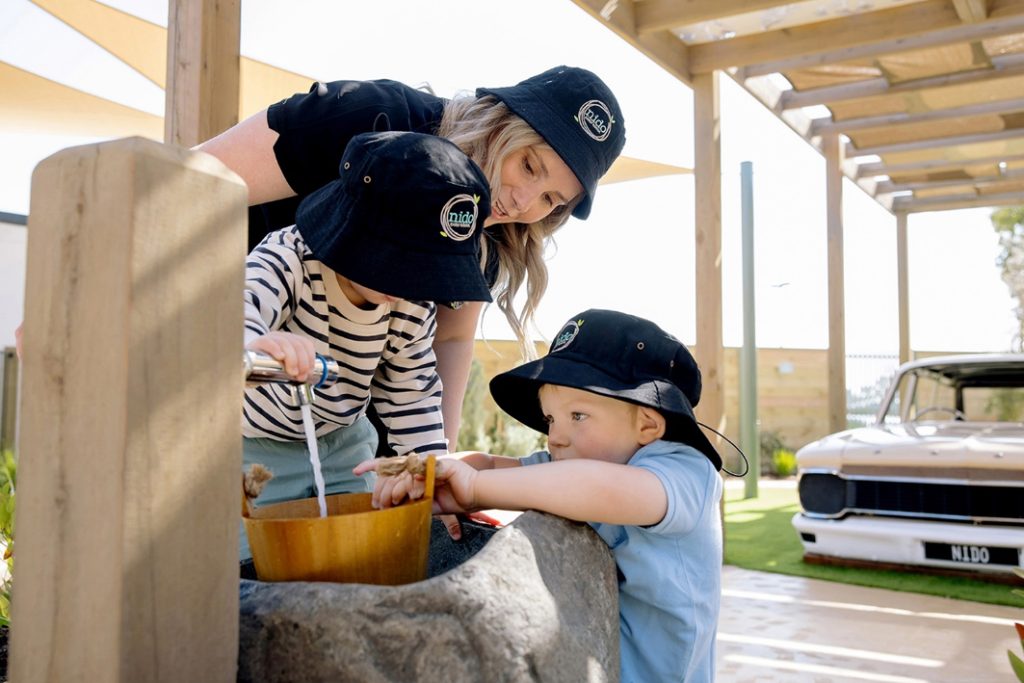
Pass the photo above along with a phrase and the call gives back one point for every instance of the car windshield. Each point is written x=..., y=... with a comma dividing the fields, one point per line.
x=926, y=395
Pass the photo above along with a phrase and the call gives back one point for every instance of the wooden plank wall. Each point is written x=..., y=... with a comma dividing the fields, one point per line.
x=792, y=403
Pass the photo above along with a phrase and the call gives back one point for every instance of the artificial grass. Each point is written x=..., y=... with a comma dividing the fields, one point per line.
x=759, y=535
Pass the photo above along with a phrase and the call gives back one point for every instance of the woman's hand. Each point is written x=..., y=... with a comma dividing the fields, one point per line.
x=295, y=352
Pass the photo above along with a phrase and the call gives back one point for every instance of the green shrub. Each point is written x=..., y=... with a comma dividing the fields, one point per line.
x=784, y=462
x=8, y=469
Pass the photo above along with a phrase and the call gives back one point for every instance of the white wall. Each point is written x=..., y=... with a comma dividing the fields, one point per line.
x=13, y=242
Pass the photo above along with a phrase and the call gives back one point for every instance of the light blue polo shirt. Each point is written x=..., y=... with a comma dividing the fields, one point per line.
x=669, y=573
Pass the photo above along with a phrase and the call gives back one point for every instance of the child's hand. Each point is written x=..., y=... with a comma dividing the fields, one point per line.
x=391, y=490
x=294, y=351
x=454, y=486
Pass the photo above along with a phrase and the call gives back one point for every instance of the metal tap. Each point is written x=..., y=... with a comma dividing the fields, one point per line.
x=261, y=368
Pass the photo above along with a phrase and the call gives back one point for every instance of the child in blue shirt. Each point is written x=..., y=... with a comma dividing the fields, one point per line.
x=615, y=395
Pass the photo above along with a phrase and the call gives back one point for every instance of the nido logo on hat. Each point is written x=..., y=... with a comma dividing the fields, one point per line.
x=566, y=335
x=458, y=217
x=596, y=120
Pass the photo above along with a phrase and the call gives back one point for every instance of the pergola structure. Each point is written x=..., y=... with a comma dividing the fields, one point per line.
x=929, y=87
x=918, y=102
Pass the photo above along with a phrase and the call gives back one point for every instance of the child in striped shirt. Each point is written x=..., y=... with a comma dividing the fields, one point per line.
x=355, y=280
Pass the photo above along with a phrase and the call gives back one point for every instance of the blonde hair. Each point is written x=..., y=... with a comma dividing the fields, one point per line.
x=487, y=131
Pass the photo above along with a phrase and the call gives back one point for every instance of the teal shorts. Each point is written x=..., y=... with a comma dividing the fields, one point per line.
x=340, y=451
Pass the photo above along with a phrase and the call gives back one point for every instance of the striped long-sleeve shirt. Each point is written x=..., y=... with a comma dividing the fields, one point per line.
x=385, y=353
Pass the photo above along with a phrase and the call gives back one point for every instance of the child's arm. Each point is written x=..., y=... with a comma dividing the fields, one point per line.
x=273, y=274
x=584, y=490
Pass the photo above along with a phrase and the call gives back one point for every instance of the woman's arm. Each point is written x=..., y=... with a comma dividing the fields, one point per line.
x=453, y=350
x=247, y=148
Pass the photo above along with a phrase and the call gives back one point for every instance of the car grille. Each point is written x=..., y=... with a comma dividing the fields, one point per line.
x=830, y=495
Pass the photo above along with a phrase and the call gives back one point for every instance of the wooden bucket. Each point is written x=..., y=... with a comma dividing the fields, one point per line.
x=354, y=543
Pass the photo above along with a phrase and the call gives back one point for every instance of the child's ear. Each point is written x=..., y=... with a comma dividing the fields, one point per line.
x=650, y=425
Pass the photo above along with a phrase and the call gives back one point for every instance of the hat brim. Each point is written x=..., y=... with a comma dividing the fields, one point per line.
x=516, y=392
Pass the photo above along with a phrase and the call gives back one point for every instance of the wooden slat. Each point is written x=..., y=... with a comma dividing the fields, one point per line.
x=909, y=41
x=976, y=181
x=971, y=11
x=1003, y=66
x=129, y=453
x=932, y=143
x=826, y=125
x=661, y=46
x=802, y=45
x=931, y=165
x=656, y=15
x=965, y=201
x=202, y=70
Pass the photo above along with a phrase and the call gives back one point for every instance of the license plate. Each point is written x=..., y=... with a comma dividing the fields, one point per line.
x=971, y=554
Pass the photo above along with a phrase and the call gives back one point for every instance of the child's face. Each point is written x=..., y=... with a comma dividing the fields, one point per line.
x=534, y=182
x=589, y=426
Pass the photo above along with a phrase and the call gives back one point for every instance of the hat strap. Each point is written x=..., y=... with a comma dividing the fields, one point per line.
x=746, y=462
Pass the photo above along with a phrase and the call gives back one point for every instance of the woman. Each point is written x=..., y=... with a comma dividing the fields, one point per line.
x=543, y=144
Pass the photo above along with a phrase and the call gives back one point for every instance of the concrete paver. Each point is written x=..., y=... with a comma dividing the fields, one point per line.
x=784, y=628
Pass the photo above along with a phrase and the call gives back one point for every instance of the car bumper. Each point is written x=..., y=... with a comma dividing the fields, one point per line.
x=932, y=544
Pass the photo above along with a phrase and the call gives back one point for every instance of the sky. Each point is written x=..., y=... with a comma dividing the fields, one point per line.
x=636, y=252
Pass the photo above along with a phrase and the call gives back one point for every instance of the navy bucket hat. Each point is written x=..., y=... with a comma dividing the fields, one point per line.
x=577, y=114
x=405, y=218
x=616, y=355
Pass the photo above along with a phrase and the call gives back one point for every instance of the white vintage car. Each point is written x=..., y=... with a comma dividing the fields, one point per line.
x=937, y=481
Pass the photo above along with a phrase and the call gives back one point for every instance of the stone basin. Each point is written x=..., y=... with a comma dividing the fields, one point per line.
x=537, y=602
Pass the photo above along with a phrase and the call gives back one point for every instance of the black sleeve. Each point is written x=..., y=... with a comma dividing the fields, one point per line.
x=314, y=128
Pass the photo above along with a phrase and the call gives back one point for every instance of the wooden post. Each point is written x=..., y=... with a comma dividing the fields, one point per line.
x=903, y=285
x=203, y=38
x=129, y=446
x=836, y=288
x=710, y=354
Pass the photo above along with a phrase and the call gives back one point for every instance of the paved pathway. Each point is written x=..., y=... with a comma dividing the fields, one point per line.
x=784, y=628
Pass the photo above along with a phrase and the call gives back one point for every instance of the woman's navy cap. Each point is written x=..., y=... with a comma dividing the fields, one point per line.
x=575, y=113
x=616, y=355
x=405, y=218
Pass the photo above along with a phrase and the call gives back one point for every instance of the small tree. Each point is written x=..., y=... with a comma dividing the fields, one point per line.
x=1009, y=225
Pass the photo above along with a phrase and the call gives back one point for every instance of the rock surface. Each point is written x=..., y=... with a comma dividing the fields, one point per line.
x=538, y=602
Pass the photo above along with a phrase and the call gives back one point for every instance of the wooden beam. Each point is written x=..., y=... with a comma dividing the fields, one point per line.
x=964, y=201
x=971, y=11
x=836, y=286
x=203, y=38
x=907, y=28
x=662, y=47
x=932, y=143
x=977, y=182
x=707, y=145
x=902, y=286
x=1003, y=66
x=765, y=92
x=931, y=165
x=129, y=456
x=827, y=125
x=657, y=15
x=856, y=31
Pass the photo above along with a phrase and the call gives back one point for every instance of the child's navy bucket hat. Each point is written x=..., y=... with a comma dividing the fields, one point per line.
x=575, y=113
x=405, y=218
x=616, y=355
